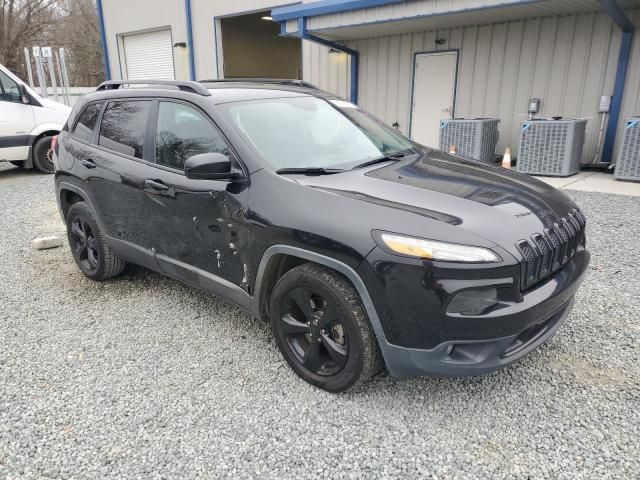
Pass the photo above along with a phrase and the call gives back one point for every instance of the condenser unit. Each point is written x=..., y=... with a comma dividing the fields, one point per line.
x=628, y=163
x=551, y=147
x=474, y=138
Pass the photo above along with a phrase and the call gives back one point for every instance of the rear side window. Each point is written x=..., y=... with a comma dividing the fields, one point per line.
x=184, y=132
x=87, y=122
x=123, y=126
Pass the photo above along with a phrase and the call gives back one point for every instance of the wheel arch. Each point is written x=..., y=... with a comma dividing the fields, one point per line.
x=278, y=259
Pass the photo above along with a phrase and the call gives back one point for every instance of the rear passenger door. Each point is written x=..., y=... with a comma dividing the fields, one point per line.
x=199, y=226
x=114, y=171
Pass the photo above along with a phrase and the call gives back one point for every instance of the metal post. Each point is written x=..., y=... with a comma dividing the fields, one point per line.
x=65, y=75
x=42, y=81
x=52, y=74
x=65, y=96
x=27, y=61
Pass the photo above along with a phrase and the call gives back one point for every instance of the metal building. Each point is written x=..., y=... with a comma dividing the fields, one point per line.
x=409, y=62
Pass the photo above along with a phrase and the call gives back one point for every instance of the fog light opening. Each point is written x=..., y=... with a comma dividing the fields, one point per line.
x=475, y=301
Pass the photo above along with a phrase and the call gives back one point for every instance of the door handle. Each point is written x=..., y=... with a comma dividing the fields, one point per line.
x=88, y=163
x=155, y=184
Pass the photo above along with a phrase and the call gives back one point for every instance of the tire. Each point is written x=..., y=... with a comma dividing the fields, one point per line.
x=41, y=152
x=321, y=328
x=88, y=247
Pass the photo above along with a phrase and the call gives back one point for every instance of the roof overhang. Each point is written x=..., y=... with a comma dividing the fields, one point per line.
x=340, y=20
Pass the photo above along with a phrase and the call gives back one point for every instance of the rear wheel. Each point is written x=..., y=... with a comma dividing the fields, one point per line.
x=322, y=330
x=43, y=155
x=90, y=251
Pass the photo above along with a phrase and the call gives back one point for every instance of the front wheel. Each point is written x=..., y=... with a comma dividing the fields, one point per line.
x=322, y=330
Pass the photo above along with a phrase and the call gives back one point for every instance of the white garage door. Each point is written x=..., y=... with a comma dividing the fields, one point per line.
x=149, y=55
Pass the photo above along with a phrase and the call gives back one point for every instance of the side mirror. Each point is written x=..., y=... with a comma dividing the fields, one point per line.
x=24, y=95
x=209, y=166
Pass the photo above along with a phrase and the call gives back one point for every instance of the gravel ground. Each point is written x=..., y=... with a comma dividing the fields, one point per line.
x=142, y=377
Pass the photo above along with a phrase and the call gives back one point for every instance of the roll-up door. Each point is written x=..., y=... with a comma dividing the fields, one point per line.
x=149, y=55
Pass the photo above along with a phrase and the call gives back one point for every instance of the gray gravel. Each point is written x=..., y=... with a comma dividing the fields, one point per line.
x=142, y=377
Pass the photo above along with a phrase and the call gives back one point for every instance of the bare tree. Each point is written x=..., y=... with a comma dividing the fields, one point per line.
x=71, y=24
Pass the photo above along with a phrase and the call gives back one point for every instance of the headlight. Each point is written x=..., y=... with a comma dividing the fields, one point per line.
x=440, y=251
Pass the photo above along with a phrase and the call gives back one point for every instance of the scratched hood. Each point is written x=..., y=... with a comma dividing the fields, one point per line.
x=499, y=205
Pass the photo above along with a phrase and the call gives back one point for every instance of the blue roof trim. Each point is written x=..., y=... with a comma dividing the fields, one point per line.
x=323, y=7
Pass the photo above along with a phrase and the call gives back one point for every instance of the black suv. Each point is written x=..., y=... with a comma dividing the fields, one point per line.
x=361, y=248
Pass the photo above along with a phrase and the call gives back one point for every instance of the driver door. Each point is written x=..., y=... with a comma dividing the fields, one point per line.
x=199, y=229
x=16, y=121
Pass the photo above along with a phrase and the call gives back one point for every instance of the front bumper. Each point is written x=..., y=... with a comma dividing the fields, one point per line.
x=473, y=345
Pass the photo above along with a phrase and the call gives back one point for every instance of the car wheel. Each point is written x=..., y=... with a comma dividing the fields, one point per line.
x=322, y=330
x=90, y=251
x=43, y=155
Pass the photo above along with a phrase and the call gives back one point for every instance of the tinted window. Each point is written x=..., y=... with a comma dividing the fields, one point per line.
x=87, y=122
x=9, y=91
x=123, y=127
x=184, y=132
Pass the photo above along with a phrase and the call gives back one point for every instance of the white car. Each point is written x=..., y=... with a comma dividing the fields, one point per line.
x=27, y=124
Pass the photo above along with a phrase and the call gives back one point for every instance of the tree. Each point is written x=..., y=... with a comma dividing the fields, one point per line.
x=71, y=24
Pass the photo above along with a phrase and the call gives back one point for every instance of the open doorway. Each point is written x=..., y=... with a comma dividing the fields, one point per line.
x=252, y=47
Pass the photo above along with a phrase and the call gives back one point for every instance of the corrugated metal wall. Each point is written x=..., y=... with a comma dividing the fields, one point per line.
x=567, y=61
x=326, y=70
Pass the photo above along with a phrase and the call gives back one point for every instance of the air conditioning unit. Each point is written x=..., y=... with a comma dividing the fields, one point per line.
x=628, y=162
x=551, y=147
x=474, y=138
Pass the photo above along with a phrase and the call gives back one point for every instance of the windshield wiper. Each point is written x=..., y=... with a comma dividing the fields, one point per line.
x=309, y=170
x=391, y=157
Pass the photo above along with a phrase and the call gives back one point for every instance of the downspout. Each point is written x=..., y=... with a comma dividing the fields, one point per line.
x=103, y=41
x=618, y=16
x=192, y=62
x=353, y=54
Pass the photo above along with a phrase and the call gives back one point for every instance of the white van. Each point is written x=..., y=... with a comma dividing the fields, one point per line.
x=27, y=123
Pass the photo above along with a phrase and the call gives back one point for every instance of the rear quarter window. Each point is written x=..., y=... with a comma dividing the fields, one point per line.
x=87, y=120
x=124, y=125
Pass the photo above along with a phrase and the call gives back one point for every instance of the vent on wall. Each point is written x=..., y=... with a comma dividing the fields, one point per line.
x=551, y=147
x=628, y=162
x=473, y=138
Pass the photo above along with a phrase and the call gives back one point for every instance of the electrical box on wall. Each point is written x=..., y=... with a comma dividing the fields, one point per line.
x=605, y=104
x=534, y=105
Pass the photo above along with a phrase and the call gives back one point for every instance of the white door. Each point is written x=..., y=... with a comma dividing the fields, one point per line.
x=16, y=121
x=434, y=86
x=149, y=55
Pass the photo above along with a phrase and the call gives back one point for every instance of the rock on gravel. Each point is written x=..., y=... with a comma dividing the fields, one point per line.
x=142, y=377
x=44, y=243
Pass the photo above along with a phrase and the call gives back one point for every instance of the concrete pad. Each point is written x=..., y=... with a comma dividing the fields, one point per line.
x=594, y=182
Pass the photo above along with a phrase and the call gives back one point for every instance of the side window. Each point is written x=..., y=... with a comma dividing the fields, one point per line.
x=123, y=126
x=183, y=132
x=9, y=91
x=87, y=122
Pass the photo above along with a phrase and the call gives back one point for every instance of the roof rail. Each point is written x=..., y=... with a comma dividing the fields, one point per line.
x=185, y=86
x=276, y=81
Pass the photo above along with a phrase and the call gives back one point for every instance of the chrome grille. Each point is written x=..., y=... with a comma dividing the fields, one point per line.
x=545, y=253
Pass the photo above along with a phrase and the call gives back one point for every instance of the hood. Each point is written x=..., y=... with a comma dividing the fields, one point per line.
x=60, y=107
x=499, y=205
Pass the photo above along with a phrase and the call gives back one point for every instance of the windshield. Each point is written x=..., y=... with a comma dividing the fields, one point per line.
x=309, y=132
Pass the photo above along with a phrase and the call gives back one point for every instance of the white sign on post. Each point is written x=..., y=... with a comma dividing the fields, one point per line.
x=46, y=52
x=36, y=51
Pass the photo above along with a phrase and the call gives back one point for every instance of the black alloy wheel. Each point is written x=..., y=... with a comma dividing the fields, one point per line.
x=88, y=246
x=313, y=330
x=83, y=243
x=321, y=328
